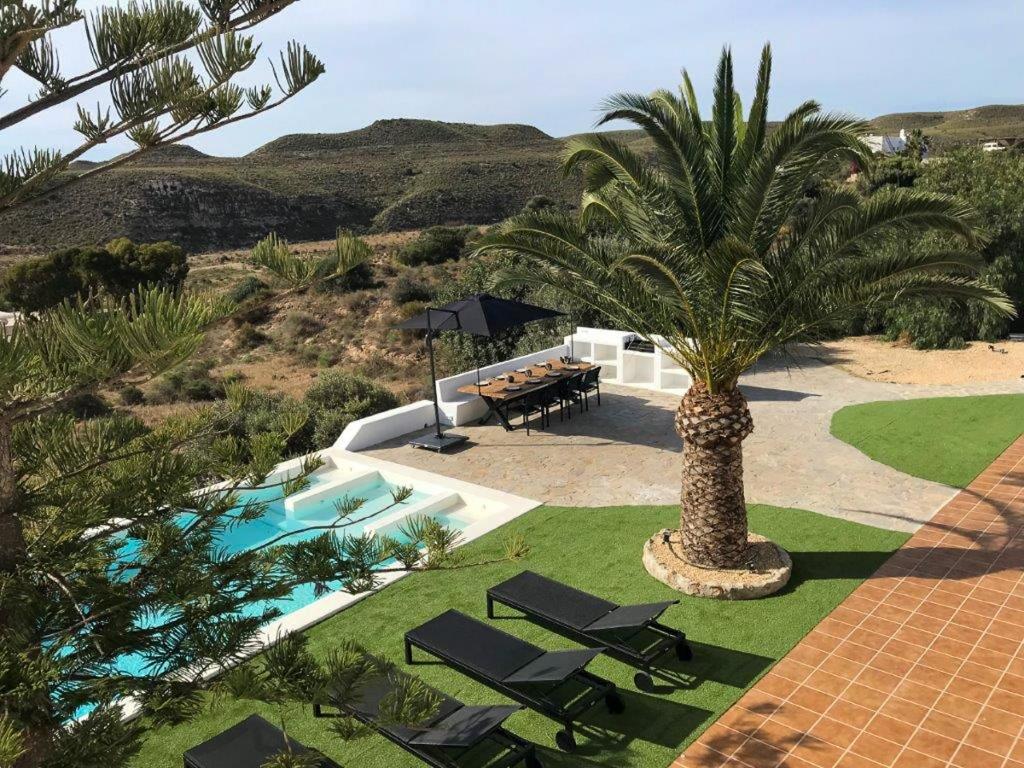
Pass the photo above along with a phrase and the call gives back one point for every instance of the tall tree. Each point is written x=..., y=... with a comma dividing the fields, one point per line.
x=169, y=67
x=707, y=250
x=114, y=568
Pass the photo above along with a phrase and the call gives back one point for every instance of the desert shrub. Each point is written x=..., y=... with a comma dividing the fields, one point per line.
x=87, y=405
x=376, y=365
x=327, y=427
x=358, y=302
x=117, y=268
x=896, y=171
x=434, y=246
x=930, y=325
x=131, y=395
x=301, y=325
x=162, y=392
x=161, y=263
x=406, y=289
x=541, y=203
x=249, y=336
x=306, y=353
x=357, y=394
x=246, y=289
x=330, y=405
x=192, y=382
x=358, y=278
x=410, y=308
x=40, y=283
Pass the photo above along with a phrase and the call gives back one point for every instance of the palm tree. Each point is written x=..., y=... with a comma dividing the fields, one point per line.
x=709, y=244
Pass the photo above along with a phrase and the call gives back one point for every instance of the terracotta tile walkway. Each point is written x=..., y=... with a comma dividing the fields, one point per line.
x=921, y=667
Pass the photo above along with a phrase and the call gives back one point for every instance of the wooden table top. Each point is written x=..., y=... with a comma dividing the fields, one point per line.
x=497, y=390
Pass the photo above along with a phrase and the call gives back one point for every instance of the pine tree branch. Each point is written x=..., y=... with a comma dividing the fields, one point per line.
x=63, y=586
x=101, y=75
x=18, y=197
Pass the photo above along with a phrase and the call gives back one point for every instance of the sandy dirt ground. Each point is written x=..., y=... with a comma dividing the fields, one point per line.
x=872, y=358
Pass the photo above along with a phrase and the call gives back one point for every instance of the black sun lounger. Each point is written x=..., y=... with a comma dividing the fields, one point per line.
x=454, y=736
x=553, y=683
x=250, y=743
x=630, y=633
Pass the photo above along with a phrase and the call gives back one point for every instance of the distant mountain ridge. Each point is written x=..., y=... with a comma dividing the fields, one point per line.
x=403, y=132
x=393, y=174
x=962, y=125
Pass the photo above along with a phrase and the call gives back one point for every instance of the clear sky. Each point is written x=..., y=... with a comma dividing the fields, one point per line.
x=550, y=63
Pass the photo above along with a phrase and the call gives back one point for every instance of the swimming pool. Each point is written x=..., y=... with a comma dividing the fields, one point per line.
x=470, y=509
x=278, y=519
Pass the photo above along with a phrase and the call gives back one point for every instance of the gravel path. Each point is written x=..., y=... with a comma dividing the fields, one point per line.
x=626, y=452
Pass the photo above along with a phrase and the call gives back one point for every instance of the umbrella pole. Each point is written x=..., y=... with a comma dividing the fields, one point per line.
x=476, y=359
x=433, y=378
x=439, y=440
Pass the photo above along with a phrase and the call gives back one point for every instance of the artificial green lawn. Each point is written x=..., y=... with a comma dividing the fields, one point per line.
x=597, y=549
x=946, y=439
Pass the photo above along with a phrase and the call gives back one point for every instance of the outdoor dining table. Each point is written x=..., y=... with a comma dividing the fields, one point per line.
x=497, y=395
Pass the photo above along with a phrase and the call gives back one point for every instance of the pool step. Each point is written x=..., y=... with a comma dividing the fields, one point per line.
x=437, y=504
x=308, y=504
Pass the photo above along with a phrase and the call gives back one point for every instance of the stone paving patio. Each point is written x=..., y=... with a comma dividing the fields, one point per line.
x=627, y=451
x=921, y=667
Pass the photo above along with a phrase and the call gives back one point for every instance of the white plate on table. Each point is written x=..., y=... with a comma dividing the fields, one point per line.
x=553, y=374
x=512, y=388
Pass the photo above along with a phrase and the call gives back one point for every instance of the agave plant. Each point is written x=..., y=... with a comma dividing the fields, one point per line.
x=712, y=248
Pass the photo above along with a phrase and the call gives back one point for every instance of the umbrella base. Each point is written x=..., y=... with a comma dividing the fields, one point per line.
x=438, y=442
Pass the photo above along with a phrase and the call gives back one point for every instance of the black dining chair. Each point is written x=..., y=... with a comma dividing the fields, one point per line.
x=591, y=382
x=528, y=405
x=569, y=393
x=550, y=397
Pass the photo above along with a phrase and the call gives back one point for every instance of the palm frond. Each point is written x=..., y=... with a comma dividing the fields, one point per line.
x=714, y=245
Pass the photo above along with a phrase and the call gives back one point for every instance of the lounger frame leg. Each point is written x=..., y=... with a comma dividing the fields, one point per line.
x=490, y=607
x=408, y=652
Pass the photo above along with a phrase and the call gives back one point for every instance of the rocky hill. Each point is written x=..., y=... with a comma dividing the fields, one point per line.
x=391, y=175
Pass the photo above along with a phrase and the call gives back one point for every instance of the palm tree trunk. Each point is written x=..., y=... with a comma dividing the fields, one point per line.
x=713, y=522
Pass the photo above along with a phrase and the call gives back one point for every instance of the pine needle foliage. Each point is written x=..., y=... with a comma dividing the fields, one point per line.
x=169, y=67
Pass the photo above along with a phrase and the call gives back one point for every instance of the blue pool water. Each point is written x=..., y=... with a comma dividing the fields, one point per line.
x=273, y=523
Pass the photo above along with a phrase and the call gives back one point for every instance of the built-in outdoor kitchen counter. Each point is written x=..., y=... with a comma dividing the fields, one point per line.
x=627, y=359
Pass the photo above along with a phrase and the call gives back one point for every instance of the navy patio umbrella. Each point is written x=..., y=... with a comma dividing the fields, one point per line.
x=480, y=315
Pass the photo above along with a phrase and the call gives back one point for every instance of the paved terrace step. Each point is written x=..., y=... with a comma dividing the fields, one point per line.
x=921, y=667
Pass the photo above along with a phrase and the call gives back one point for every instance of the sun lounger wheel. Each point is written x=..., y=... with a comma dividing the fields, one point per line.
x=643, y=681
x=565, y=741
x=683, y=650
